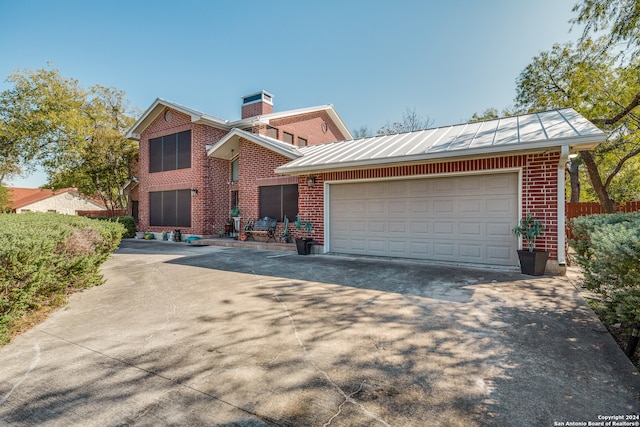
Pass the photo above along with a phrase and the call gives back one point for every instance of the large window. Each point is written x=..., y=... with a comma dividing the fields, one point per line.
x=170, y=208
x=276, y=201
x=170, y=152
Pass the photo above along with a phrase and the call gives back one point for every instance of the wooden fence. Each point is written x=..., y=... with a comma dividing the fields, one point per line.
x=573, y=210
x=108, y=213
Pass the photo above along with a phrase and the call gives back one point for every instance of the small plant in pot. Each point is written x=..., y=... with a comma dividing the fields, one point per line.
x=532, y=261
x=305, y=228
x=235, y=214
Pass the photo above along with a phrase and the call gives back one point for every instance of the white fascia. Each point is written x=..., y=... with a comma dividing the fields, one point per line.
x=562, y=163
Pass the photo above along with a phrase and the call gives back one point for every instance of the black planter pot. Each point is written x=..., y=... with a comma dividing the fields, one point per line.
x=533, y=263
x=304, y=245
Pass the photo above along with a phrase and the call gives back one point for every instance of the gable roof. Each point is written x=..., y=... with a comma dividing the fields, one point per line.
x=227, y=147
x=529, y=132
x=21, y=197
x=158, y=106
x=266, y=118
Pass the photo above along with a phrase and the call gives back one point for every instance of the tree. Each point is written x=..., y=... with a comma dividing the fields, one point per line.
x=5, y=199
x=492, y=113
x=619, y=18
x=411, y=121
x=600, y=88
x=76, y=135
x=362, y=132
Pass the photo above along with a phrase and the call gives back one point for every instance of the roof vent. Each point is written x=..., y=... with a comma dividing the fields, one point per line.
x=257, y=104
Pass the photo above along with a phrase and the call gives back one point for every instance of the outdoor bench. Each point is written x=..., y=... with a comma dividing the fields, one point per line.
x=262, y=227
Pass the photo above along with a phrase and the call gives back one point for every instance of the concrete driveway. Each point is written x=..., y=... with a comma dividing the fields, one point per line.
x=185, y=335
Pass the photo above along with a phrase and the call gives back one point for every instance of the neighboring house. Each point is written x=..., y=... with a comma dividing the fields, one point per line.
x=65, y=201
x=447, y=194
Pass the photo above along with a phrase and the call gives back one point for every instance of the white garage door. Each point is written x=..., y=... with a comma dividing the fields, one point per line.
x=460, y=219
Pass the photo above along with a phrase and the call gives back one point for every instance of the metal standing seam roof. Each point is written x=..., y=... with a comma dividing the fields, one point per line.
x=527, y=132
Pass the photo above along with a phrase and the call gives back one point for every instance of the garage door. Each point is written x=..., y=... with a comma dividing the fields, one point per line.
x=459, y=219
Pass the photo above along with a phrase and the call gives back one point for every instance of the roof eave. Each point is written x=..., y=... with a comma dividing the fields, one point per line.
x=266, y=118
x=154, y=111
x=217, y=150
x=576, y=144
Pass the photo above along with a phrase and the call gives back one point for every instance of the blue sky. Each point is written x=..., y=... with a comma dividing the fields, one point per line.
x=371, y=60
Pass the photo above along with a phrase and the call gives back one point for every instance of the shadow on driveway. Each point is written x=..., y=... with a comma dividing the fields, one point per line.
x=225, y=336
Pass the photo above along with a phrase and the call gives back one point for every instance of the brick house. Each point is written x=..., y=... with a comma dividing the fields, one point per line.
x=194, y=167
x=449, y=194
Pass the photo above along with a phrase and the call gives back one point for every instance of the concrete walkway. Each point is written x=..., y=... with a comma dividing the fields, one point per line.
x=219, y=336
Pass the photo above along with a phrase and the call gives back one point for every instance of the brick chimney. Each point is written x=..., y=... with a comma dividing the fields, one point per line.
x=257, y=104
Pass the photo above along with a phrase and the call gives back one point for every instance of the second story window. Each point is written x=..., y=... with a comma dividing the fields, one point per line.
x=302, y=142
x=287, y=137
x=170, y=152
x=272, y=132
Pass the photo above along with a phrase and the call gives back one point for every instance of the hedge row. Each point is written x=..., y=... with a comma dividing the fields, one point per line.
x=127, y=221
x=44, y=256
x=608, y=250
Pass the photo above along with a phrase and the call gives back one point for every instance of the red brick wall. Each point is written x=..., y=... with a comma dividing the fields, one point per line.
x=539, y=188
x=309, y=126
x=256, y=168
x=256, y=109
x=205, y=174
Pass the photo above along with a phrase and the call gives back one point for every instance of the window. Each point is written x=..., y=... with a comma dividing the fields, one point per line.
x=134, y=210
x=170, y=152
x=302, y=142
x=272, y=132
x=170, y=208
x=235, y=169
x=276, y=201
x=287, y=137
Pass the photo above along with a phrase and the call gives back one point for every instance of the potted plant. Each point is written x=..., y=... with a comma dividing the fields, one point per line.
x=303, y=241
x=532, y=261
x=235, y=214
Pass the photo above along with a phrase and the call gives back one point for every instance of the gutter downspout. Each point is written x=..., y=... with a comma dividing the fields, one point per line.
x=562, y=164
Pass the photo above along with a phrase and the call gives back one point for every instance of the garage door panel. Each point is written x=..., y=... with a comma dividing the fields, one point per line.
x=418, y=207
x=376, y=226
x=470, y=206
x=459, y=219
x=443, y=229
x=443, y=250
x=419, y=227
x=503, y=205
x=470, y=229
x=499, y=254
x=498, y=230
x=377, y=246
x=499, y=182
x=470, y=251
x=376, y=208
x=398, y=248
x=399, y=208
x=358, y=228
x=396, y=227
x=443, y=206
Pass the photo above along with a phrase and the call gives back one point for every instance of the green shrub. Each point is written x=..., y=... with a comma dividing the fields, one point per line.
x=608, y=250
x=43, y=256
x=128, y=222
